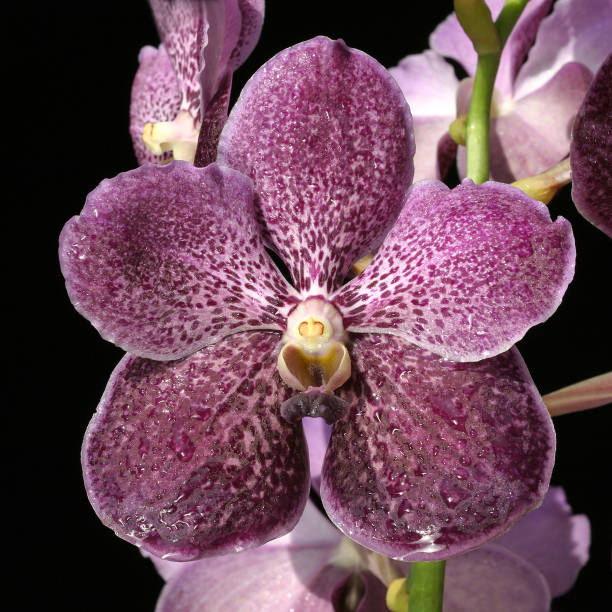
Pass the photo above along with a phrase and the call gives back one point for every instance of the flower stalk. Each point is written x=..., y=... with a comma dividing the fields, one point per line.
x=479, y=114
x=422, y=591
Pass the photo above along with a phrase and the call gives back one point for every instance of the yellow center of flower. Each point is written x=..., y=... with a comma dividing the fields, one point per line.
x=314, y=354
x=179, y=136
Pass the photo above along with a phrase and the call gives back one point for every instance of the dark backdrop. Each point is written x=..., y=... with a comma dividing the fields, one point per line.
x=74, y=63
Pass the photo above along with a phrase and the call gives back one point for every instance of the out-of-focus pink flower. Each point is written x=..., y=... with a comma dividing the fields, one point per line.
x=545, y=69
x=314, y=567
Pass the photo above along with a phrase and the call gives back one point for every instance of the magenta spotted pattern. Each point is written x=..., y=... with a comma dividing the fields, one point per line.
x=192, y=456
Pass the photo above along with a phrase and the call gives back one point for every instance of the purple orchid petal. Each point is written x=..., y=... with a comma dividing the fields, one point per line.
x=464, y=272
x=326, y=136
x=575, y=31
x=191, y=458
x=317, y=433
x=450, y=40
x=166, y=259
x=155, y=97
x=535, y=134
x=183, y=26
x=270, y=580
x=591, y=152
x=429, y=85
x=494, y=579
x=252, y=16
x=214, y=120
x=553, y=539
x=434, y=458
x=224, y=24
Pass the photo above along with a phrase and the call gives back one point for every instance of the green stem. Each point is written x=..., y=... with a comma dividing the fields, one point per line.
x=426, y=586
x=479, y=114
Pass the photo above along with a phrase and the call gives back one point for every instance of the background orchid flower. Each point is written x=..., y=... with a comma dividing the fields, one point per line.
x=206, y=455
x=546, y=66
x=591, y=152
x=314, y=568
x=186, y=82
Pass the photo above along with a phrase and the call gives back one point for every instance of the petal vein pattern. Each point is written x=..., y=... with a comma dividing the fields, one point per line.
x=166, y=260
x=464, y=272
x=191, y=458
x=326, y=136
x=434, y=458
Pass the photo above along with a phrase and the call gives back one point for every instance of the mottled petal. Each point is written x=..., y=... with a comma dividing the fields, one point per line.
x=317, y=433
x=450, y=40
x=531, y=134
x=191, y=459
x=553, y=539
x=183, y=26
x=252, y=15
x=494, y=579
x=464, y=272
x=224, y=24
x=435, y=458
x=326, y=136
x=156, y=96
x=429, y=85
x=166, y=259
x=277, y=580
x=575, y=31
x=591, y=152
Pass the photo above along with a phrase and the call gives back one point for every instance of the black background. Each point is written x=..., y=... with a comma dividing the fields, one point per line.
x=67, y=126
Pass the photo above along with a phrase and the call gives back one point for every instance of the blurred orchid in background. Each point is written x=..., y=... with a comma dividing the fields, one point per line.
x=183, y=87
x=440, y=441
x=545, y=69
x=314, y=568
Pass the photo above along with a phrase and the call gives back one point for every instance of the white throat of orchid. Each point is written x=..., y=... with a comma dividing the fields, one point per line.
x=179, y=136
x=314, y=352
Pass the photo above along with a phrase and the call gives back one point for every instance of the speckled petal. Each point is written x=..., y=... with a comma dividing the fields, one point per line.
x=166, y=259
x=464, y=272
x=450, y=40
x=535, y=133
x=553, y=539
x=252, y=16
x=591, y=152
x=575, y=31
x=183, y=26
x=156, y=96
x=191, y=459
x=435, y=458
x=326, y=136
x=429, y=85
x=493, y=579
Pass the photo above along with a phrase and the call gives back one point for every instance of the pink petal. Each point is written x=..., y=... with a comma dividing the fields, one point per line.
x=450, y=40
x=434, y=458
x=591, y=152
x=429, y=85
x=252, y=15
x=553, y=539
x=155, y=97
x=166, y=259
x=464, y=272
x=183, y=26
x=317, y=433
x=534, y=133
x=576, y=31
x=493, y=579
x=326, y=136
x=191, y=458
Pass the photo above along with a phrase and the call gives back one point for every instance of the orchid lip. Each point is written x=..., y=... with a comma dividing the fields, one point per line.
x=314, y=352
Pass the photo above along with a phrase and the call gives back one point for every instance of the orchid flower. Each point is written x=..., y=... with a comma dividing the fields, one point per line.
x=591, y=152
x=315, y=568
x=545, y=69
x=185, y=83
x=440, y=440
